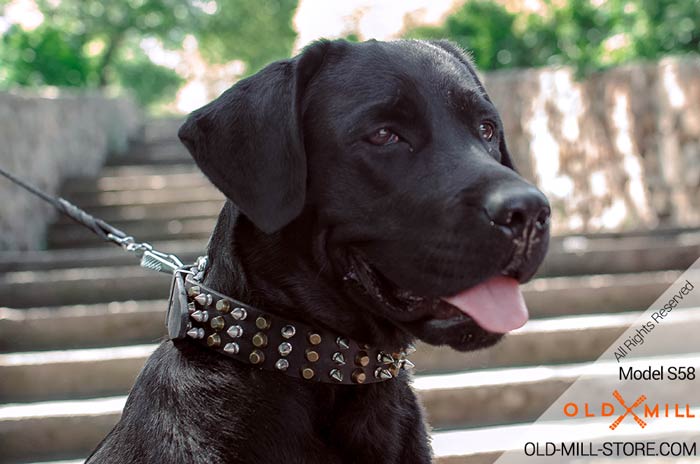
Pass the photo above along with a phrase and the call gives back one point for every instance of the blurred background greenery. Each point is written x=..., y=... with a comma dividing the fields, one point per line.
x=147, y=47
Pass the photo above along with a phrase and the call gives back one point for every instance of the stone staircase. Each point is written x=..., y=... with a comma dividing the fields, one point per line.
x=78, y=320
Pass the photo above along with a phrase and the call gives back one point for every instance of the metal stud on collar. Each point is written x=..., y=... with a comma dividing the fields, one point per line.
x=284, y=348
x=288, y=331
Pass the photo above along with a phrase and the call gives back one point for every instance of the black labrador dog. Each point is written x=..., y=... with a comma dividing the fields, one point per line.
x=370, y=192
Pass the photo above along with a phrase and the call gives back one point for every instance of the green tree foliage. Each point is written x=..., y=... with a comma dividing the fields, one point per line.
x=254, y=31
x=93, y=43
x=45, y=56
x=579, y=33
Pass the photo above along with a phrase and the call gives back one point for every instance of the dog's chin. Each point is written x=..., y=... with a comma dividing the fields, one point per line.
x=432, y=320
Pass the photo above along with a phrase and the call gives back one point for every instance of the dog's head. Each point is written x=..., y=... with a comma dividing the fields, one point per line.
x=398, y=154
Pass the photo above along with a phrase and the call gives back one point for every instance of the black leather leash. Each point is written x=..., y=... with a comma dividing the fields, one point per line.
x=241, y=331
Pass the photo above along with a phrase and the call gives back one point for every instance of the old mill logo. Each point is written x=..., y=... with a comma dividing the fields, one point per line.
x=637, y=411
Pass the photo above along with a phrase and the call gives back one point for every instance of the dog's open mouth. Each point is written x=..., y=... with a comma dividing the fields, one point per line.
x=496, y=304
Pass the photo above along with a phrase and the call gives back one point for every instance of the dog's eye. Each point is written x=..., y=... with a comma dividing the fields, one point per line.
x=487, y=130
x=383, y=137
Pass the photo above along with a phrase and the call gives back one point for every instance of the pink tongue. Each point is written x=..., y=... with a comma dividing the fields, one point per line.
x=496, y=305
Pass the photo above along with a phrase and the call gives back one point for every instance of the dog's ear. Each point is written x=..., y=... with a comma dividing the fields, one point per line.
x=249, y=141
x=464, y=58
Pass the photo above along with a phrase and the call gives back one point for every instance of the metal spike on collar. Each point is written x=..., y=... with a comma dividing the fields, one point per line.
x=232, y=348
x=239, y=314
x=407, y=364
x=204, y=299
x=410, y=349
x=196, y=332
x=235, y=331
x=385, y=358
x=191, y=307
x=382, y=373
x=342, y=343
x=200, y=316
x=338, y=358
x=336, y=375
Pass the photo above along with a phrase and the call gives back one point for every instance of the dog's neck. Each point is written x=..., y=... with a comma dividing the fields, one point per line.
x=289, y=274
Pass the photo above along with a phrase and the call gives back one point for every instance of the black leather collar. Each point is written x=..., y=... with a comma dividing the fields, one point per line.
x=271, y=342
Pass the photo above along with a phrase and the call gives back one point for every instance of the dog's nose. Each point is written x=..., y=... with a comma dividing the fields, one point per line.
x=518, y=208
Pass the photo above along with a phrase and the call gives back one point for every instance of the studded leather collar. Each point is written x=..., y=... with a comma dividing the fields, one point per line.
x=270, y=342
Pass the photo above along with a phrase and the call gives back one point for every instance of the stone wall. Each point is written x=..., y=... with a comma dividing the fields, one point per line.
x=618, y=150
x=45, y=140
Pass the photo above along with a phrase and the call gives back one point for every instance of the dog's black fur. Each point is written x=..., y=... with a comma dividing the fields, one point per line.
x=327, y=224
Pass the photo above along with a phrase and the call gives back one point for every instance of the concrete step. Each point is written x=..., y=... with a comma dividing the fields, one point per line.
x=126, y=170
x=184, y=210
x=162, y=152
x=81, y=286
x=551, y=296
x=77, y=189
x=103, y=255
x=151, y=197
x=64, y=327
x=76, y=236
x=482, y=398
x=37, y=375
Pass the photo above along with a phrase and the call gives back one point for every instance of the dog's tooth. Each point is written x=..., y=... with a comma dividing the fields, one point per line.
x=282, y=364
x=260, y=340
x=288, y=331
x=307, y=373
x=342, y=343
x=382, y=373
x=362, y=359
x=314, y=338
x=235, y=331
x=284, y=348
x=338, y=358
x=204, y=299
x=196, y=332
x=232, y=348
x=239, y=314
x=256, y=357
x=200, y=316
x=262, y=322
x=385, y=358
x=359, y=376
x=336, y=375
x=217, y=323
x=223, y=306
